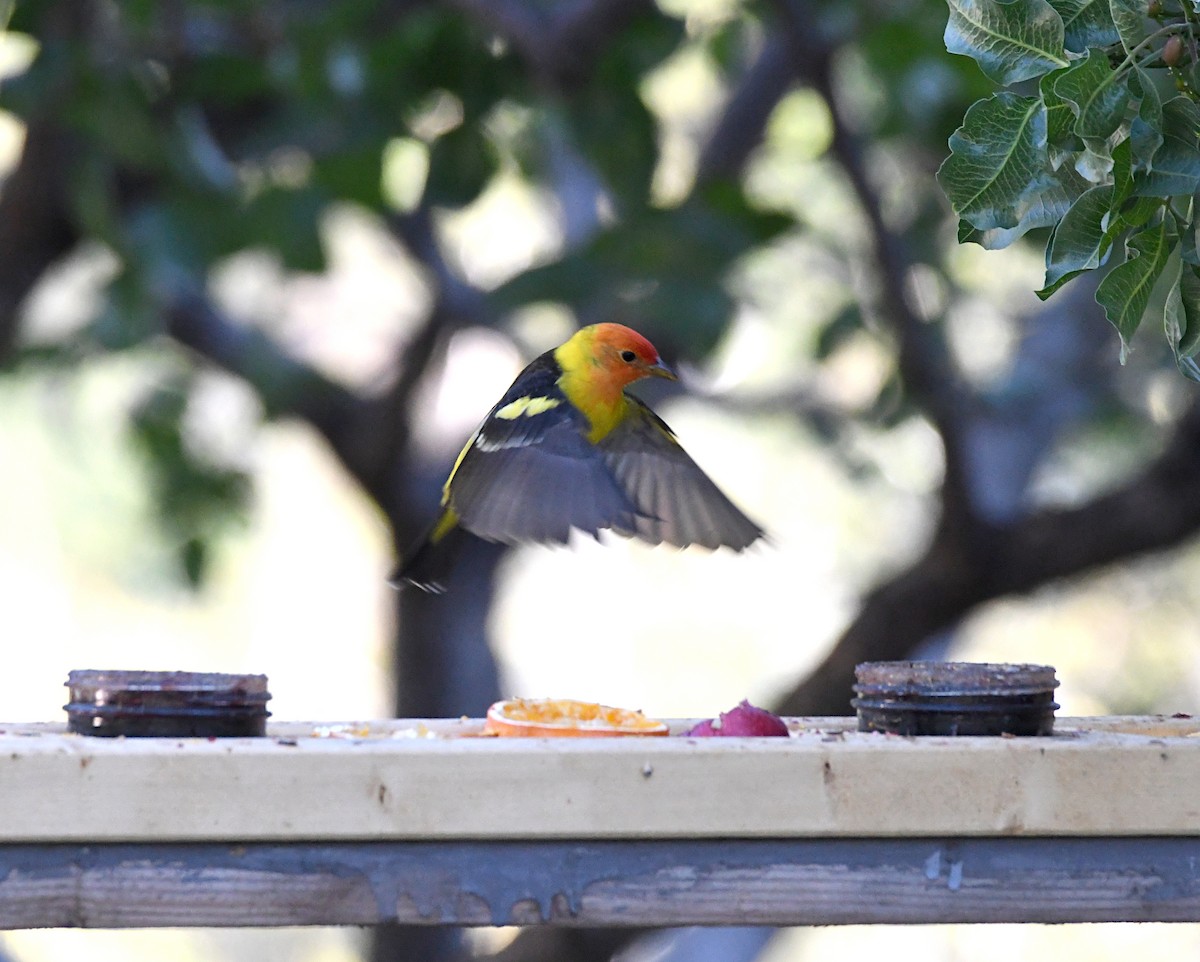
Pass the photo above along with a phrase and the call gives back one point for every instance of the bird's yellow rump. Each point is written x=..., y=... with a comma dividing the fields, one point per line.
x=566, y=448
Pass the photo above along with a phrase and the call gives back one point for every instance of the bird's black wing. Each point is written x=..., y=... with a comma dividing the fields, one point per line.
x=676, y=501
x=529, y=472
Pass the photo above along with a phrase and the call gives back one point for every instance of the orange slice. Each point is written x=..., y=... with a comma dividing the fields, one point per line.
x=563, y=717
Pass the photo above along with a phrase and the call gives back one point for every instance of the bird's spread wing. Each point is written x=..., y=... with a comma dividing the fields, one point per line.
x=530, y=474
x=676, y=501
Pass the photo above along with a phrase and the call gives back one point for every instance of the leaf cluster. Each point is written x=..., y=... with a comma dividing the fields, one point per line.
x=1096, y=138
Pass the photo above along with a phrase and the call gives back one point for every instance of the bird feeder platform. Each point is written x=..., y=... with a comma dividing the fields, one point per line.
x=432, y=822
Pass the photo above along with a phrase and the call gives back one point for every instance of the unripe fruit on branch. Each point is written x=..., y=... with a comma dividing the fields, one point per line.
x=1172, y=50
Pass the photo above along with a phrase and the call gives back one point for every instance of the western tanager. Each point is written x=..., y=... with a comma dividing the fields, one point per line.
x=566, y=448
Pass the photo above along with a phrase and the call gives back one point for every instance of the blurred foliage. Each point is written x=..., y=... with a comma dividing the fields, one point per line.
x=195, y=495
x=1104, y=149
x=204, y=129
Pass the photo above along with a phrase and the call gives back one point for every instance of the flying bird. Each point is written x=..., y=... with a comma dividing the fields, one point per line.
x=566, y=447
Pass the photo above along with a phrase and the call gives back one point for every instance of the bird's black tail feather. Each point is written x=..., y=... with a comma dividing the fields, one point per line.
x=429, y=564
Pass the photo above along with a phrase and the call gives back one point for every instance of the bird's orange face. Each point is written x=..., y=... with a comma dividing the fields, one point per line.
x=598, y=363
x=625, y=356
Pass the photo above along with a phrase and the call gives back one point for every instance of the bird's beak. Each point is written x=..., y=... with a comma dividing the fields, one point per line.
x=661, y=370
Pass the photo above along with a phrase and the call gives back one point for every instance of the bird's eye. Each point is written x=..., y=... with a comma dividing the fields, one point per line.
x=628, y=357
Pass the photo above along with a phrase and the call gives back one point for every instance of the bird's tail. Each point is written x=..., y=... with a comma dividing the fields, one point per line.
x=428, y=564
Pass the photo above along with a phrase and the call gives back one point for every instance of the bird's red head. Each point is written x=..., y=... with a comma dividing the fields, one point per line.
x=624, y=354
x=597, y=364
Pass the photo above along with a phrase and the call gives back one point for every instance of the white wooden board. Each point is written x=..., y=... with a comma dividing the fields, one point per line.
x=412, y=780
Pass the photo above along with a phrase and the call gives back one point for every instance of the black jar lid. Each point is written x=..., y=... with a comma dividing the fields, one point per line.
x=955, y=698
x=171, y=704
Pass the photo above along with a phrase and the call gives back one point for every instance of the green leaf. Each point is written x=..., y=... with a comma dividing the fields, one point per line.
x=998, y=168
x=1129, y=17
x=1136, y=212
x=1079, y=242
x=1125, y=292
x=1094, y=163
x=291, y=220
x=1122, y=171
x=1086, y=23
x=1145, y=132
x=1060, y=118
x=1129, y=211
x=1181, y=319
x=1011, y=41
x=1098, y=95
x=1189, y=250
x=1042, y=208
x=1176, y=168
x=353, y=173
x=461, y=164
x=118, y=122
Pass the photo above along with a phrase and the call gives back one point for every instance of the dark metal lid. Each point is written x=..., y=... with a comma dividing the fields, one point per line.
x=954, y=677
x=166, y=703
x=955, y=698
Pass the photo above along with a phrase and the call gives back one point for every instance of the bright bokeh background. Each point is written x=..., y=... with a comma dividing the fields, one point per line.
x=87, y=579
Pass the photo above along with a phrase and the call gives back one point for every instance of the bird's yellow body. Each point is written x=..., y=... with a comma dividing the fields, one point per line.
x=595, y=387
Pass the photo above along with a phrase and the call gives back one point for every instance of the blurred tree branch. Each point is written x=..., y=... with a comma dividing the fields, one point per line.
x=929, y=371
x=287, y=387
x=739, y=129
x=991, y=446
x=962, y=569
